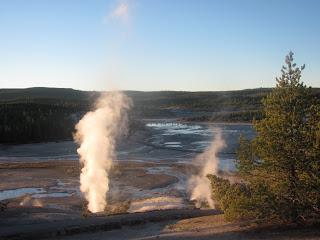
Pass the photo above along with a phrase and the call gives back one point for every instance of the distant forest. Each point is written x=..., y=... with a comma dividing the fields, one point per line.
x=49, y=114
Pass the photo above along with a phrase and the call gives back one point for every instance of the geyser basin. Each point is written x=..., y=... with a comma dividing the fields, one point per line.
x=140, y=173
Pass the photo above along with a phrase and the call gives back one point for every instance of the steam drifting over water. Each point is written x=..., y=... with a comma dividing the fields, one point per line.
x=199, y=185
x=96, y=133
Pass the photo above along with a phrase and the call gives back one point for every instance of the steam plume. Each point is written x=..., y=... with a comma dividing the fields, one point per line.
x=96, y=133
x=199, y=185
x=156, y=203
x=121, y=11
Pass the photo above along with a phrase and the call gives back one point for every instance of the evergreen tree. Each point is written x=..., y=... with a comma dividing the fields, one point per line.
x=280, y=168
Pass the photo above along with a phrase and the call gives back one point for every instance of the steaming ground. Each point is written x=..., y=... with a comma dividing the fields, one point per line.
x=57, y=185
x=154, y=166
x=40, y=188
x=152, y=172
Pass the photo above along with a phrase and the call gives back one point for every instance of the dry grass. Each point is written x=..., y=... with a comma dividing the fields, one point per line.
x=215, y=227
x=214, y=222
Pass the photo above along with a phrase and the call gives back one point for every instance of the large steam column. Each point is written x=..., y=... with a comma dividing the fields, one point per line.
x=96, y=133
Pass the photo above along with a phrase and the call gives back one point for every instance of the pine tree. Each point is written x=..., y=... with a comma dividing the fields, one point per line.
x=280, y=168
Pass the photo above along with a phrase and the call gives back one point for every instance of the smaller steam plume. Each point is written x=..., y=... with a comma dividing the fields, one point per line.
x=156, y=203
x=199, y=185
x=31, y=202
x=96, y=133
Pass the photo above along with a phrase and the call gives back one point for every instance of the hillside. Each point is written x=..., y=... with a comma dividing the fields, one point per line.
x=49, y=114
x=200, y=101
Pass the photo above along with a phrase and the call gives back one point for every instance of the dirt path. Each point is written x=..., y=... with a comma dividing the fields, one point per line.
x=39, y=223
x=200, y=228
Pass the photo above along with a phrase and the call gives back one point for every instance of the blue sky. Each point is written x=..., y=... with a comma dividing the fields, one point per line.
x=194, y=45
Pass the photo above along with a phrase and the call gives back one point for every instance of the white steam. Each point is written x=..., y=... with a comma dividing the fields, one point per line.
x=31, y=202
x=121, y=12
x=96, y=133
x=199, y=185
x=156, y=203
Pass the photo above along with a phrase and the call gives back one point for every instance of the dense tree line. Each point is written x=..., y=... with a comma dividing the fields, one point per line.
x=201, y=101
x=32, y=122
x=234, y=117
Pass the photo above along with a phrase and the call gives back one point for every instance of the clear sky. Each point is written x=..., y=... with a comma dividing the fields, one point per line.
x=194, y=45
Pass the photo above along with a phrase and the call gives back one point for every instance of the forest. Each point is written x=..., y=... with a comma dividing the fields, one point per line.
x=49, y=114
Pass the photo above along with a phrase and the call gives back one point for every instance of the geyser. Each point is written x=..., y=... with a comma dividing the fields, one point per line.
x=199, y=185
x=96, y=133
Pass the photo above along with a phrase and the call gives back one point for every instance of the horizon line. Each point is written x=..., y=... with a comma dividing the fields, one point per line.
x=134, y=90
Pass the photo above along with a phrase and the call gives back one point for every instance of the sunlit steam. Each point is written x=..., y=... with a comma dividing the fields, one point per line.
x=199, y=185
x=96, y=133
x=156, y=203
x=31, y=202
